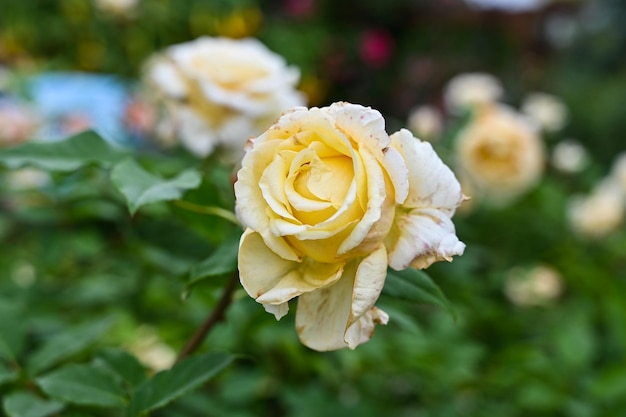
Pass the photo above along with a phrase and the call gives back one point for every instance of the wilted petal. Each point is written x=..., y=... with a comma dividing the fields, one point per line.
x=423, y=232
x=270, y=279
x=341, y=315
x=361, y=331
x=421, y=237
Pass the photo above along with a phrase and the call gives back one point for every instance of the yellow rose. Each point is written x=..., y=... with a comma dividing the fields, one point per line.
x=472, y=90
x=329, y=200
x=221, y=92
x=500, y=154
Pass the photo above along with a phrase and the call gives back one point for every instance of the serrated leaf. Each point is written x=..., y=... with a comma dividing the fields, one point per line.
x=65, y=155
x=222, y=261
x=415, y=286
x=140, y=187
x=123, y=364
x=6, y=374
x=27, y=404
x=83, y=385
x=66, y=345
x=166, y=386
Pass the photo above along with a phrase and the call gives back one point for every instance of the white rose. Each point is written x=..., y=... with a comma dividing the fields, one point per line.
x=535, y=286
x=570, y=156
x=425, y=122
x=222, y=91
x=471, y=90
x=329, y=200
x=546, y=110
x=600, y=213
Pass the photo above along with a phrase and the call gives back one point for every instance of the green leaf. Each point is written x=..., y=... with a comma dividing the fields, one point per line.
x=66, y=344
x=66, y=155
x=6, y=374
x=27, y=404
x=12, y=329
x=140, y=187
x=124, y=364
x=415, y=286
x=222, y=261
x=169, y=385
x=83, y=385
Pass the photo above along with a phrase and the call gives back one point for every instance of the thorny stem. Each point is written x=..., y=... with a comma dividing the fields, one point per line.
x=209, y=210
x=214, y=317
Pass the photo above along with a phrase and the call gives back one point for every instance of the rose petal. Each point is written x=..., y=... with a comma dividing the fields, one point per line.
x=270, y=279
x=340, y=315
x=421, y=237
x=431, y=182
x=278, y=310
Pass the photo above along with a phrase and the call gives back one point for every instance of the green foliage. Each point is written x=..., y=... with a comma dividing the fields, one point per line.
x=169, y=385
x=26, y=404
x=67, y=155
x=140, y=187
x=83, y=385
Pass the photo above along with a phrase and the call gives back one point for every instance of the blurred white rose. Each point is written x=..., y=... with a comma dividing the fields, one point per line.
x=535, y=286
x=618, y=171
x=220, y=91
x=600, y=213
x=425, y=122
x=570, y=156
x=546, y=110
x=499, y=155
x=117, y=7
x=27, y=178
x=470, y=90
x=151, y=351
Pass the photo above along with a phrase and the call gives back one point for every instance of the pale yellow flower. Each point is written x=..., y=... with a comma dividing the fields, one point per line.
x=220, y=91
x=426, y=123
x=500, y=154
x=472, y=90
x=600, y=213
x=534, y=286
x=329, y=200
x=546, y=110
x=151, y=351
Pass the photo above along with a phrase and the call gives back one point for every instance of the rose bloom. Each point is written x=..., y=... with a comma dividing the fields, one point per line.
x=425, y=122
x=569, y=156
x=500, y=154
x=329, y=200
x=471, y=90
x=221, y=92
x=535, y=286
x=600, y=213
x=117, y=7
x=546, y=110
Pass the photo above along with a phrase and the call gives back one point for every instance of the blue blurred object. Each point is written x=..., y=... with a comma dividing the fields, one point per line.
x=70, y=101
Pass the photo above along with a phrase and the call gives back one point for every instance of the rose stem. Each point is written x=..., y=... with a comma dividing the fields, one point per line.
x=214, y=317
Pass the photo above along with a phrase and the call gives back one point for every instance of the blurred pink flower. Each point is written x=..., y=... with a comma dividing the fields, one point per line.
x=376, y=47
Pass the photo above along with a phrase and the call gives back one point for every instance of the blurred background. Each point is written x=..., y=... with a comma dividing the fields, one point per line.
x=540, y=308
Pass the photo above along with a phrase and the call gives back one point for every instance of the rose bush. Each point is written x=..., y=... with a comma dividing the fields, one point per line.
x=329, y=200
x=220, y=91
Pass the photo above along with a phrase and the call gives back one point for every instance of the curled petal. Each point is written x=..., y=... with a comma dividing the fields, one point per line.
x=270, y=279
x=421, y=237
x=342, y=314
